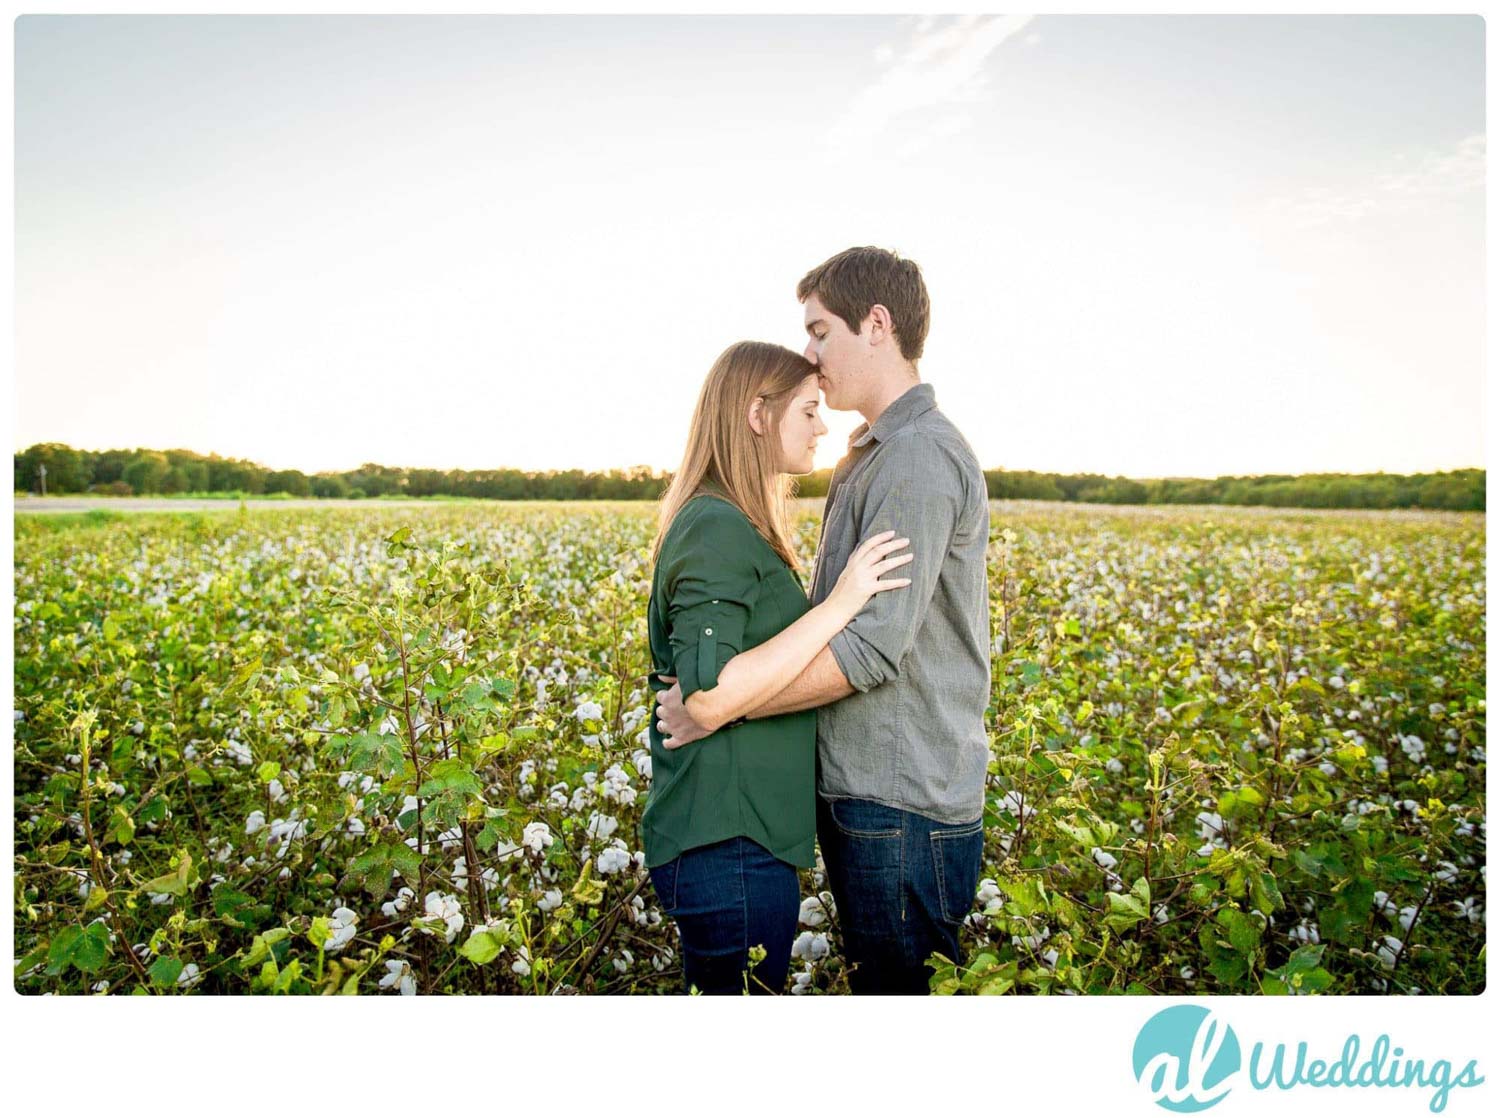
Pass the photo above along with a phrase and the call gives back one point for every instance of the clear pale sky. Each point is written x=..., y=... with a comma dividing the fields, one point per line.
x=1155, y=245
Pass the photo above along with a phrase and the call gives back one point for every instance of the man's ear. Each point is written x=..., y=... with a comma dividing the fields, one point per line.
x=879, y=320
x=757, y=415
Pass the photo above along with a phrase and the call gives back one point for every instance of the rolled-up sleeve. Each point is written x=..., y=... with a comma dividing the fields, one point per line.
x=918, y=492
x=713, y=586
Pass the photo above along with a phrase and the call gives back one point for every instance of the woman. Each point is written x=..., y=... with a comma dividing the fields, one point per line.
x=731, y=817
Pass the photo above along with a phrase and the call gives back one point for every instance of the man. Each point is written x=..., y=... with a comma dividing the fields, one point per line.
x=901, y=692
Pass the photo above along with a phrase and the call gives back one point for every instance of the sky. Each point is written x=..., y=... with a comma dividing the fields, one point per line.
x=1155, y=246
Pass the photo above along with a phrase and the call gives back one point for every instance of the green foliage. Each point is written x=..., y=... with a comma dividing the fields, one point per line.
x=1214, y=738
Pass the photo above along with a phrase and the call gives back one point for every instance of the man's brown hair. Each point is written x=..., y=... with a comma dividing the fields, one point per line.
x=852, y=282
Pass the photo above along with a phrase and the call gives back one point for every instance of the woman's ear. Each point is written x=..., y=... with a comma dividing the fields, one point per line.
x=758, y=415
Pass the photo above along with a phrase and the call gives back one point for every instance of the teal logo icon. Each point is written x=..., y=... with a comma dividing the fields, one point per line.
x=1186, y=1058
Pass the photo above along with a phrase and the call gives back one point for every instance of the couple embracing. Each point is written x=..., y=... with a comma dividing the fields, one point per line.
x=849, y=710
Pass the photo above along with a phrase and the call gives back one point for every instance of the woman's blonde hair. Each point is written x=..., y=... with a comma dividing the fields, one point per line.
x=724, y=451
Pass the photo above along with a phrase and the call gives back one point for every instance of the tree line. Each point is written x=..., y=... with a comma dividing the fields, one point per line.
x=153, y=472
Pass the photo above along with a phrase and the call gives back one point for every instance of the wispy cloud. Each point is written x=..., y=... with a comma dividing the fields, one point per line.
x=1432, y=178
x=943, y=64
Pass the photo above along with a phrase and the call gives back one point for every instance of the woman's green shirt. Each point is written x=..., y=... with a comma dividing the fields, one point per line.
x=719, y=589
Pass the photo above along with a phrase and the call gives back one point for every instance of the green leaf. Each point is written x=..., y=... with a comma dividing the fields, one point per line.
x=1264, y=893
x=481, y=947
x=374, y=752
x=164, y=971
x=267, y=772
x=1243, y=931
x=1125, y=911
x=122, y=827
x=35, y=956
x=84, y=948
x=175, y=882
x=239, y=910
x=450, y=776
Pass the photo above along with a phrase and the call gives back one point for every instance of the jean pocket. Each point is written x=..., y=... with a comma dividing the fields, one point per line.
x=664, y=881
x=956, y=853
x=864, y=819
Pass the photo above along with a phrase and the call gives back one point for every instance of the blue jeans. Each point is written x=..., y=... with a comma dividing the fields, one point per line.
x=903, y=884
x=726, y=898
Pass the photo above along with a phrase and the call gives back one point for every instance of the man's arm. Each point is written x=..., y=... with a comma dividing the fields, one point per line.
x=818, y=684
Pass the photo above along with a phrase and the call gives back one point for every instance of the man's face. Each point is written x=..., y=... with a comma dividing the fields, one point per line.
x=835, y=350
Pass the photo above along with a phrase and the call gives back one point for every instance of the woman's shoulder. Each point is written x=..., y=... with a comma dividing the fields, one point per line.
x=708, y=522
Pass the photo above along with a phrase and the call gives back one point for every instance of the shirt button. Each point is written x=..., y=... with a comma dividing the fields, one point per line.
x=708, y=632
x=716, y=601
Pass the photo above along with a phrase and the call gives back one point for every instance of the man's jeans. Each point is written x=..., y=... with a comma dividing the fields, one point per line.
x=726, y=898
x=903, y=884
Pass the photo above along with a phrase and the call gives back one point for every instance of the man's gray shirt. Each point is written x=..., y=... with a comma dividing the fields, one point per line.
x=912, y=735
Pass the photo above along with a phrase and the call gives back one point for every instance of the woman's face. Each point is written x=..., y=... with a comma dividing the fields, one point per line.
x=801, y=428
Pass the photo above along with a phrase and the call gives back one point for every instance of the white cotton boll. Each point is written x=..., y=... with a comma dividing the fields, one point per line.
x=1210, y=825
x=1015, y=804
x=1446, y=872
x=355, y=825
x=403, y=899
x=275, y=790
x=551, y=899
x=612, y=860
x=1328, y=768
x=811, y=913
x=1407, y=917
x=398, y=974
x=588, y=711
x=801, y=982
x=988, y=891
x=537, y=837
x=1470, y=909
x=1105, y=859
x=810, y=946
x=160, y=898
x=600, y=827
x=1387, y=950
x=1379, y=763
x=444, y=907
x=1115, y=765
x=189, y=976
x=1304, y=933
x=1032, y=942
x=341, y=930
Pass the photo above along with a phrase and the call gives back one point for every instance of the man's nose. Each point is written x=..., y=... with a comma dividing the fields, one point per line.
x=810, y=353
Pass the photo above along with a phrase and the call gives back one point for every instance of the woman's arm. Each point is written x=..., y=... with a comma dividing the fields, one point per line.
x=760, y=673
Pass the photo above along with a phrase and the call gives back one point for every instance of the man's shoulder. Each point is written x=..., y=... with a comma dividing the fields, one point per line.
x=933, y=450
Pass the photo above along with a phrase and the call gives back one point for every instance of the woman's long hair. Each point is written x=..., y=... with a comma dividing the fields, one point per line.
x=724, y=451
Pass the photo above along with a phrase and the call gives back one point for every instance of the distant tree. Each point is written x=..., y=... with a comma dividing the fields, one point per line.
x=146, y=472
x=288, y=481
x=328, y=485
x=67, y=470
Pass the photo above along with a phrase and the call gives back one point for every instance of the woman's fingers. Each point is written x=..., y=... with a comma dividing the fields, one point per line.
x=877, y=538
x=892, y=563
x=892, y=584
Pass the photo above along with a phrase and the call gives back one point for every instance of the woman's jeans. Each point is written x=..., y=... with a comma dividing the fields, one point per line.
x=903, y=884
x=728, y=897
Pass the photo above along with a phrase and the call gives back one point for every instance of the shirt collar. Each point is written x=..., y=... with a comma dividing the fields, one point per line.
x=901, y=411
